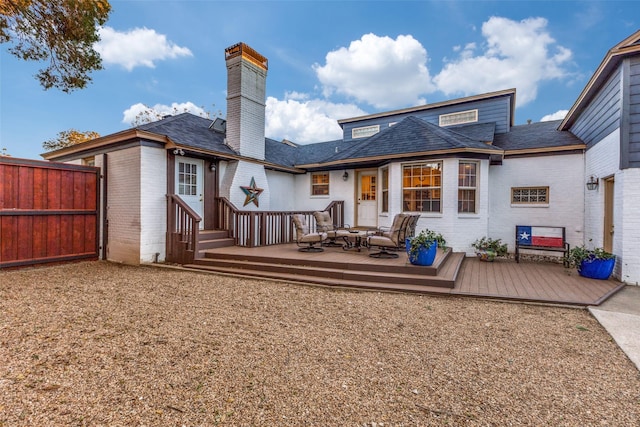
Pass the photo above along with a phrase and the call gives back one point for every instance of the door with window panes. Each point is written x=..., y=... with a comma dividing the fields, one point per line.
x=189, y=184
x=367, y=200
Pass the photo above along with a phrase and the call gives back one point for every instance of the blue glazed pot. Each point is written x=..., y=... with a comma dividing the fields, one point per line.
x=597, y=268
x=425, y=256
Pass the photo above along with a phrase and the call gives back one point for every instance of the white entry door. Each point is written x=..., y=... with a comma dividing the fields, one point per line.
x=189, y=184
x=367, y=199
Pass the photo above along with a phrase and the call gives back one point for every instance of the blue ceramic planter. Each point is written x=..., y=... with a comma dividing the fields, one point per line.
x=597, y=268
x=425, y=256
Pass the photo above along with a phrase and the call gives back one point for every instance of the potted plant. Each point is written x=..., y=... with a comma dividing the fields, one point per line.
x=487, y=249
x=421, y=248
x=593, y=263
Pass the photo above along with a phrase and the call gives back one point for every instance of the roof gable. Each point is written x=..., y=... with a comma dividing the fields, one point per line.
x=627, y=47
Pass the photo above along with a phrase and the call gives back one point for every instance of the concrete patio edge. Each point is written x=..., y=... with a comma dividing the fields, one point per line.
x=620, y=316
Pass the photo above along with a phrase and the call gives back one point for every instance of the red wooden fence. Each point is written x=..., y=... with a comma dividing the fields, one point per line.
x=48, y=212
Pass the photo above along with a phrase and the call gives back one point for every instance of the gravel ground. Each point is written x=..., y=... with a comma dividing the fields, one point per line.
x=97, y=343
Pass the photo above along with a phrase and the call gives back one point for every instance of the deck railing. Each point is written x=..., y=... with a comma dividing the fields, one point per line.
x=183, y=224
x=263, y=228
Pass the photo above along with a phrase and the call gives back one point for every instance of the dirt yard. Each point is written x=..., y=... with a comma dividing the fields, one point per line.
x=97, y=343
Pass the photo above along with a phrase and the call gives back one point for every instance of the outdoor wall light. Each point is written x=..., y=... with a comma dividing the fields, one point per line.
x=345, y=176
x=179, y=151
x=592, y=184
x=212, y=166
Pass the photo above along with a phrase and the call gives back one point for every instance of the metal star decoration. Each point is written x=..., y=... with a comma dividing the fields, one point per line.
x=252, y=192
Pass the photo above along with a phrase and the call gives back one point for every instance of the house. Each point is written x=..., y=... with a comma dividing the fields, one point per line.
x=462, y=164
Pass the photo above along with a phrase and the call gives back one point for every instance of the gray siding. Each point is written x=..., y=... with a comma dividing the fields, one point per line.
x=602, y=116
x=634, y=113
x=496, y=110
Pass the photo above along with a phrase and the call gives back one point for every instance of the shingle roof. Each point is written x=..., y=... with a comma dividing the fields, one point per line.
x=411, y=135
x=189, y=130
x=536, y=136
x=483, y=132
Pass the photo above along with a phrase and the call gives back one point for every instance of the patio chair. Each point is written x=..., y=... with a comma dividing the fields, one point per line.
x=305, y=239
x=408, y=231
x=324, y=224
x=393, y=238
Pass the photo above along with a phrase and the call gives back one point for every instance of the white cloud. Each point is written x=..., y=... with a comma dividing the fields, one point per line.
x=516, y=55
x=138, y=47
x=558, y=115
x=303, y=120
x=140, y=113
x=380, y=71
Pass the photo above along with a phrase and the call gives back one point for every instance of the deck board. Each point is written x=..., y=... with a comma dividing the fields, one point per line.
x=530, y=281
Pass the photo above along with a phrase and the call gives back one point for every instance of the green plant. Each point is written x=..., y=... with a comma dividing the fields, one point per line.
x=426, y=238
x=488, y=244
x=580, y=253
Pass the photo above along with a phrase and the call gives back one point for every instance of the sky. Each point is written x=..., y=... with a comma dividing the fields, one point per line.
x=328, y=60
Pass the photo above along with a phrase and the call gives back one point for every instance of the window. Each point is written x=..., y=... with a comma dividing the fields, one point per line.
x=320, y=184
x=385, y=190
x=467, y=186
x=458, y=118
x=89, y=161
x=521, y=195
x=422, y=187
x=187, y=179
x=368, y=187
x=364, y=132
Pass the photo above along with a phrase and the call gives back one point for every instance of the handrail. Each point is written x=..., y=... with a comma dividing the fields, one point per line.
x=263, y=228
x=183, y=224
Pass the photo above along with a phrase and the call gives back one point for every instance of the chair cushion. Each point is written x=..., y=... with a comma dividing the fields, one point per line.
x=398, y=222
x=313, y=237
x=323, y=221
x=376, y=240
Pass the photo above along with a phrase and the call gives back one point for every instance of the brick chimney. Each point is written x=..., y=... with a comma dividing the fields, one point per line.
x=246, y=88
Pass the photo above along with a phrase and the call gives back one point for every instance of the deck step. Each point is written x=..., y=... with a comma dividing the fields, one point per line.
x=321, y=262
x=412, y=279
x=212, y=239
x=316, y=280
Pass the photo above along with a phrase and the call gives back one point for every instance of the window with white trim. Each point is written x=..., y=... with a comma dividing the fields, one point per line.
x=365, y=131
x=467, y=186
x=529, y=195
x=422, y=187
x=320, y=184
x=384, y=190
x=458, y=118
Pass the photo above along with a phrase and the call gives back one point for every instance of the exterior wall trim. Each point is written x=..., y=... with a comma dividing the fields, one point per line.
x=625, y=126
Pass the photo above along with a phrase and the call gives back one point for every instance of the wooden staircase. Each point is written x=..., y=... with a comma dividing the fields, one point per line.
x=334, y=267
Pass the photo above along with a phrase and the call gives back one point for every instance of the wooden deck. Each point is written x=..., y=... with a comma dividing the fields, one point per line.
x=451, y=274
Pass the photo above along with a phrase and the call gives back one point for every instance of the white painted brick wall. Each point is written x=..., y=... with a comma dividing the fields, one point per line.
x=338, y=190
x=603, y=161
x=628, y=263
x=153, y=203
x=564, y=175
x=123, y=206
x=238, y=174
x=281, y=195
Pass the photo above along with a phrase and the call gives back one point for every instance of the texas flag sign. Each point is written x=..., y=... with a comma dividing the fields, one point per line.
x=539, y=236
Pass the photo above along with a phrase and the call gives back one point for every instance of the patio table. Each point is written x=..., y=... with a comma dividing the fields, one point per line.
x=354, y=239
